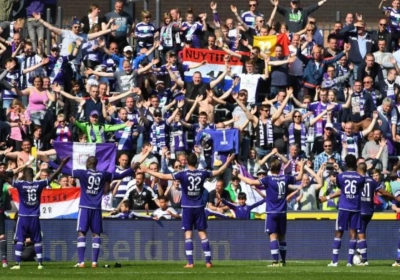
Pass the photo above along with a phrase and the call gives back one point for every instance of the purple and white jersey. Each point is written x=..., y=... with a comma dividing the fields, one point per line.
x=351, y=184
x=124, y=136
x=55, y=69
x=367, y=196
x=192, y=183
x=276, y=189
x=250, y=19
x=29, y=194
x=317, y=108
x=92, y=187
x=193, y=32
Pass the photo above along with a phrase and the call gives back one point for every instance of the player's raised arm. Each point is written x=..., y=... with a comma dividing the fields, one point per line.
x=58, y=170
x=300, y=175
x=157, y=174
x=328, y=197
x=248, y=181
x=388, y=195
x=25, y=165
x=54, y=165
x=223, y=167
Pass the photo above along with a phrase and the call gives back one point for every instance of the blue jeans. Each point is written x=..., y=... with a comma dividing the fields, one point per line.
x=261, y=152
x=139, y=143
x=245, y=148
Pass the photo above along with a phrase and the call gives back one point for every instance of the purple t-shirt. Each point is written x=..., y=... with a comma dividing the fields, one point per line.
x=55, y=69
x=276, y=188
x=29, y=194
x=192, y=182
x=92, y=187
x=367, y=196
x=351, y=184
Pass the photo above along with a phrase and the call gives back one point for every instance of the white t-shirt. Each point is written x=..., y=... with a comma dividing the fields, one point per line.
x=296, y=67
x=164, y=213
x=69, y=37
x=250, y=83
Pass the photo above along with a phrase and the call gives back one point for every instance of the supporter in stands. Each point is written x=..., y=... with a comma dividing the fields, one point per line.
x=140, y=196
x=124, y=22
x=171, y=105
x=165, y=212
x=215, y=203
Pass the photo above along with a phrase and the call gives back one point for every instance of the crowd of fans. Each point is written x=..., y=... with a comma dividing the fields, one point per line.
x=316, y=103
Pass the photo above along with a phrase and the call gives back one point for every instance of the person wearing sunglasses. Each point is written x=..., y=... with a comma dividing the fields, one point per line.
x=145, y=32
x=326, y=155
x=382, y=33
x=249, y=17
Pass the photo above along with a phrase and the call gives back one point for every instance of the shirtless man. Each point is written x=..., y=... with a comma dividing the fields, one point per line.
x=208, y=104
x=23, y=156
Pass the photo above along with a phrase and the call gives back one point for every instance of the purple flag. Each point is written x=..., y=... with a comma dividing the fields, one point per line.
x=79, y=153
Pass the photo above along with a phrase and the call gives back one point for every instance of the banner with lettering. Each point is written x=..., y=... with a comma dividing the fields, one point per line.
x=268, y=43
x=56, y=203
x=215, y=66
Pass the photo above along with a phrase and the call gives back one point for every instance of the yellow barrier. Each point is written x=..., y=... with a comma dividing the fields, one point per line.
x=382, y=216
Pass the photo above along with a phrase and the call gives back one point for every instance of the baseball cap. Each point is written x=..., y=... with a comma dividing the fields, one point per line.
x=261, y=171
x=329, y=125
x=159, y=83
x=76, y=21
x=55, y=47
x=128, y=49
x=157, y=112
x=94, y=113
x=171, y=53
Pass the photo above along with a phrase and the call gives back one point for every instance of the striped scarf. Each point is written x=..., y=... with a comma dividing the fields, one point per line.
x=123, y=186
x=319, y=124
x=158, y=135
x=352, y=148
x=357, y=103
x=63, y=134
x=29, y=61
x=269, y=132
x=166, y=36
x=303, y=136
x=177, y=137
x=93, y=134
x=341, y=71
x=390, y=89
x=293, y=164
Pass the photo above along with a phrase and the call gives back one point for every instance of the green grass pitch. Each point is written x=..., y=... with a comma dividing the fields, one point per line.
x=229, y=270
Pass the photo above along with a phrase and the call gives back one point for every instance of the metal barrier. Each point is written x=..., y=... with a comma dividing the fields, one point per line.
x=58, y=24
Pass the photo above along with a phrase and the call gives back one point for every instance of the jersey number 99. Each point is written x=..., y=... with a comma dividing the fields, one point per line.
x=93, y=183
